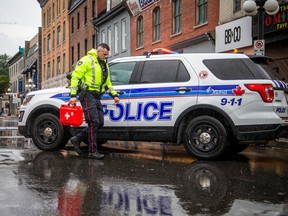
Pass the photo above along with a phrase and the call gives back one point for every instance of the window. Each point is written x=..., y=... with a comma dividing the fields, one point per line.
x=201, y=11
x=93, y=41
x=103, y=36
x=72, y=55
x=86, y=46
x=242, y=69
x=44, y=45
x=58, y=35
x=49, y=70
x=58, y=66
x=64, y=62
x=64, y=4
x=49, y=43
x=85, y=15
x=123, y=35
x=116, y=38
x=53, y=68
x=109, y=38
x=164, y=72
x=93, y=8
x=53, y=11
x=53, y=40
x=236, y=5
x=177, y=16
x=48, y=16
x=140, y=39
x=64, y=31
x=58, y=7
x=121, y=72
x=78, y=51
x=44, y=71
x=156, y=23
x=72, y=25
x=44, y=20
x=78, y=21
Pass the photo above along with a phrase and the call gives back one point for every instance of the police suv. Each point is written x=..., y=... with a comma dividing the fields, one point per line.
x=214, y=104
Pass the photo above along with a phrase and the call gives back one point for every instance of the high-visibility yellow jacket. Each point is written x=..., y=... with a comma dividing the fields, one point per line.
x=88, y=70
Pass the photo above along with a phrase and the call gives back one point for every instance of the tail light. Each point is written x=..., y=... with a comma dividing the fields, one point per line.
x=265, y=90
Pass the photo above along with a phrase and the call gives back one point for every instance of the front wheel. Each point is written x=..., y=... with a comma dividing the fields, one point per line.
x=205, y=138
x=47, y=132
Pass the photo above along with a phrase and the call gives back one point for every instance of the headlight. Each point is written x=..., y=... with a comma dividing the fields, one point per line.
x=27, y=99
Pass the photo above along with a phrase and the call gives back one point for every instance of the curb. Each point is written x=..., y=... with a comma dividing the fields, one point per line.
x=279, y=143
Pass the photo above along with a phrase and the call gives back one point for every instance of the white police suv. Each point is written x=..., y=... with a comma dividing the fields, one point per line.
x=214, y=104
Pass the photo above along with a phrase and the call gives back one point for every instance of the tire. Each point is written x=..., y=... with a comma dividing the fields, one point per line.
x=206, y=183
x=47, y=132
x=205, y=138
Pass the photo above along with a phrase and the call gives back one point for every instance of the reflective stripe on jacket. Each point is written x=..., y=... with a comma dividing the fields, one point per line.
x=88, y=70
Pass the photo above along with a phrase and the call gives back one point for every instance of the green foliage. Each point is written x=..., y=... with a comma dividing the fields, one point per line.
x=4, y=83
x=4, y=73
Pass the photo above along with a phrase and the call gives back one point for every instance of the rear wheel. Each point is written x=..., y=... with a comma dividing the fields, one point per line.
x=47, y=132
x=235, y=147
x=205, y=138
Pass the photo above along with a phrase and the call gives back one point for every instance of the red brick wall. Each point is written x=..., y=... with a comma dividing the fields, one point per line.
x=101, y=6
x=84, y=32
x=189, y=28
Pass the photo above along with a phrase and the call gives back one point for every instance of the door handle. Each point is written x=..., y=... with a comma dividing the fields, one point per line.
x=183, y=89
x=120, y=92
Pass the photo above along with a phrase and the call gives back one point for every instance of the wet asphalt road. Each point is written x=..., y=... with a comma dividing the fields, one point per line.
x=138, y=179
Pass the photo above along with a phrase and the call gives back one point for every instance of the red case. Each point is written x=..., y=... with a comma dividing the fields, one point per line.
x=71, y=115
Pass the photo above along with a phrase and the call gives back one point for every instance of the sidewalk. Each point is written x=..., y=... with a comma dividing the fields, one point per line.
x=279, y=143
x=5, y=115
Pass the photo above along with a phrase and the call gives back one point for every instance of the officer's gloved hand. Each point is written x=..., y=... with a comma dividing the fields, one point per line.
x=116, y=100
x=72, y=101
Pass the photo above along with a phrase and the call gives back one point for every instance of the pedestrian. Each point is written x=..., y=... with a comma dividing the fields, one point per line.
x=90, y=79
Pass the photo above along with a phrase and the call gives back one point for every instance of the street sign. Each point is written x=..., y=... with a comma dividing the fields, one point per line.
x=259, y=47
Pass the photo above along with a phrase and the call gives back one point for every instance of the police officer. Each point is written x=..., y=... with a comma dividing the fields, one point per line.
x=90, y=78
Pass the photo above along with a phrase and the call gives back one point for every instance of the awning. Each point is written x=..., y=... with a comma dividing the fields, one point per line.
x=29, y=67
x=24, y=71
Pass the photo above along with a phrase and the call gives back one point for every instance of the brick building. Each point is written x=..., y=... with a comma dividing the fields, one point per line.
x=55, y=43
x=181, y=25
x=82, y=33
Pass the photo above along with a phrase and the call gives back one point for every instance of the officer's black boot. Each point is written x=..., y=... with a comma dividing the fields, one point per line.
x=76, y=144
x=95, y=155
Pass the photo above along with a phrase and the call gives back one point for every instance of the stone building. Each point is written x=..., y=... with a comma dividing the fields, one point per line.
x=113, y=27
x=16, y=65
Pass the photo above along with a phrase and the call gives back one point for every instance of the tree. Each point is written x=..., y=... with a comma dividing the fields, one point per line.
x=4, y=73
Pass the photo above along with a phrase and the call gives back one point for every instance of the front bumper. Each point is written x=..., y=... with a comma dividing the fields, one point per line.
x=23, y=131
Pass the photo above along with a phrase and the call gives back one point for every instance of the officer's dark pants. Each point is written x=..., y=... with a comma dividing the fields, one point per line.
x=94, y=117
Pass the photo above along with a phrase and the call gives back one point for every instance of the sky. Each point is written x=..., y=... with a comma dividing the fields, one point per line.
x=27, y=16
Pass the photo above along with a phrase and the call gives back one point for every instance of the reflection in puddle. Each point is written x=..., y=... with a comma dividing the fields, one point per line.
x=124, y=198
x=123, y=185
x=18, y=143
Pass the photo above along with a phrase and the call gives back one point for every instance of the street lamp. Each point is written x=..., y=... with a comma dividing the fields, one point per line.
x=251, y=7
x=30, y=85
x=9, y=97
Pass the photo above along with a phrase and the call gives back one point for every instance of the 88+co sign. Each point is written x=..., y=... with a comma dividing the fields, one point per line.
x=234, y=35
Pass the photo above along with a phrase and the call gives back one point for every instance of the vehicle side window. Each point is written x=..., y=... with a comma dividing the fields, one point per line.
x=164, y=71
x=120, y=72
x=234, y=69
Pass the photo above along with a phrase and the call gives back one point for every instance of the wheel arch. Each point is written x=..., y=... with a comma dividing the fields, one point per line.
x=199, y=110
x=40, y=110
